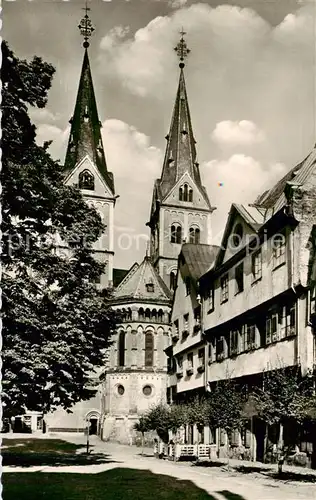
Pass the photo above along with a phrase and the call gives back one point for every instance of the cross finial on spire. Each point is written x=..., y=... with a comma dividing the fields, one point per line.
x=85, y=26
x=182, y=49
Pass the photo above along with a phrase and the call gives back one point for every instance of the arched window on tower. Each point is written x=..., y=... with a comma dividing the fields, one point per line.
x=86, y=180
x=194, y=235
x=190, y=195
x=176, y=233
x=160, y=315
x=121, y=348
x=181, y=194
x=147, y=314
x=129, y=314
x=173, y=282
x=141, y=314
x=149, y=349
x=185, y=192
x=154, y=314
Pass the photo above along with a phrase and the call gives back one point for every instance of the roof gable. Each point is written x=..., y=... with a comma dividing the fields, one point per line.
x=198, y=258
x=100, y=186
x=199, y=199
x=143, y=283
x=249, y=219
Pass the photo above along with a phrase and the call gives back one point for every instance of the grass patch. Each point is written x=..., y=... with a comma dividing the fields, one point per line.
x=36, y=452
x=115, y=484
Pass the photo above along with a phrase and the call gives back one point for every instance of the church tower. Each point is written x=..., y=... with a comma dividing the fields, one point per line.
x=181, y=210
x=85, y=163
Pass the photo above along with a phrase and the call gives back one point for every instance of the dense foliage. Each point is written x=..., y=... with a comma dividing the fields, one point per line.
x=56, y=324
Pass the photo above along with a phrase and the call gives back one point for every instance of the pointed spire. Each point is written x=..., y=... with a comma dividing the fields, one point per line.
x=85, y=135
x=180, y=154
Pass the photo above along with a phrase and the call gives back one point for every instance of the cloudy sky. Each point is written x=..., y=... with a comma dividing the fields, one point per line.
x=250, y=81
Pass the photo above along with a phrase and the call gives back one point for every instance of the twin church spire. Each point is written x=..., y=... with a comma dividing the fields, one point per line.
x=85, y=135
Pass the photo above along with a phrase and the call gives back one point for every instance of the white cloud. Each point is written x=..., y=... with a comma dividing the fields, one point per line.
x=238, y=179
x=232, y=133
x=177, y=4
x=135, y=164
x=47, y=132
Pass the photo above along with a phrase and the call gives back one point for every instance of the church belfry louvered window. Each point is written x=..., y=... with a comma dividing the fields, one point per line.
x=176, y=233
x=185, y=193
x=194, y=235
x=86, y=180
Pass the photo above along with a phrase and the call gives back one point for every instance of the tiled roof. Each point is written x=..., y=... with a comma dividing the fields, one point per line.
x=118, y=276
x=135, y=284
x=180, y=156
x=274, y=198
x=199, y=257
x=85, y=134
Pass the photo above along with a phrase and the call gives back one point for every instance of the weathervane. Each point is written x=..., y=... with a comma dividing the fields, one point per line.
x=85, y=26
x=182, y=49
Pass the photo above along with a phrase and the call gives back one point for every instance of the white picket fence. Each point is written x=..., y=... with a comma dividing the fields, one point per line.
x=193, y=451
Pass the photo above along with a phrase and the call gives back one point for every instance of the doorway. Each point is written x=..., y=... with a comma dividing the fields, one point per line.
x=93, y=429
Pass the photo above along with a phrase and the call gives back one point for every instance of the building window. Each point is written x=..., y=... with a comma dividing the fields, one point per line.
x=288, y=321
x=224, y=288
x=129, y=314
x=190, y=363
x=176, y=233
x=249, y=337
x=150, y=287
x=210, y=299
x=173, y=280
x=194, y=235
x=147, y=390
x=120, y=390
x=237, y=235
x=187, y=282
x=147, y=314
x=201, y=360
x=220, y=348
x=185, y=193
x=256, y=265
x=185, y=324
x=149, y=349
x=86, y=180
x=278, y=249
x=180, y=362
x=239, y=277
x=121, y=348
x=176, y=327
x=233, y=342
x=141, y=314
x=160, y=315
x=154, y=315
x=272, y=328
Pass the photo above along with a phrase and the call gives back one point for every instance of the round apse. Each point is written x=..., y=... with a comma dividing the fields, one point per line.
x=147, y=390
x=120, y=390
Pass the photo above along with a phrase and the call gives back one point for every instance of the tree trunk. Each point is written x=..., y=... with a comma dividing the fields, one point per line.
x=280, y=450
x=265, y=442
x=143, y=442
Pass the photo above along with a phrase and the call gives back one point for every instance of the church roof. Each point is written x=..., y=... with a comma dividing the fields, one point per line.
x=198, y=257
x=85, y=134
x=142, y=283
x=273, y=199
x=180, y=155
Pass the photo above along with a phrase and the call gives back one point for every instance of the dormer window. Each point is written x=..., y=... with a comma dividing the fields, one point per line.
x=150, y=287
x=86, y=180
x=185, y=193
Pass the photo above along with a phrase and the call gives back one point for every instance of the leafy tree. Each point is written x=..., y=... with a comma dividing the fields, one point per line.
x=226, y=406
x=56, y=324
x=142, y=426
x=158, y=419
